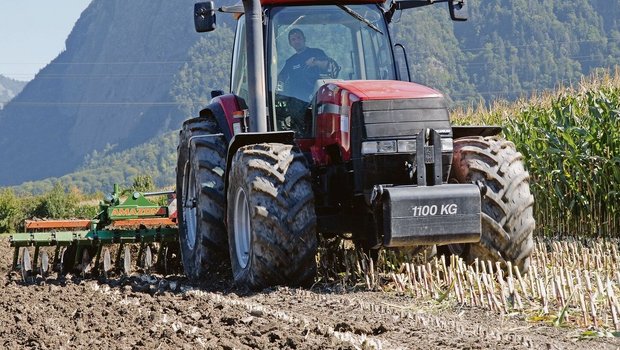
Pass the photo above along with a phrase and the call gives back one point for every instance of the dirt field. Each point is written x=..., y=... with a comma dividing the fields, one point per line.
x=152, y=312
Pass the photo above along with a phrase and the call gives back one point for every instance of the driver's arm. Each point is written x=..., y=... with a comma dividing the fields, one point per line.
x=318, y=60
x=321, y=62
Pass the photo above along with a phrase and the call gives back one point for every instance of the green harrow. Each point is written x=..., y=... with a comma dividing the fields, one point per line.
x=137, y=220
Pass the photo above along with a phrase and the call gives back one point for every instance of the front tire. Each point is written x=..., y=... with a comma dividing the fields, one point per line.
x=271, y=218
x=200, y=193
x=507, y=206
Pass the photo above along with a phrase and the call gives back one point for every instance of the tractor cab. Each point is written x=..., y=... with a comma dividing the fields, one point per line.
x=308, y=46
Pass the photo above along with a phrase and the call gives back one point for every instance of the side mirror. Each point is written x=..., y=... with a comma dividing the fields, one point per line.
x=204, y=16
x=458, y=10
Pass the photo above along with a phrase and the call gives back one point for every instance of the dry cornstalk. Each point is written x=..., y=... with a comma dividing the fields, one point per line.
x=510, y=277
x=472, y=290
x=424, y=276
x=543, y=295
x=551, y=280
x=586, y=277
x=500, y=281
x=560, y=293
x=373, y=280
x=569, y=281
x=457, y=287
x=533, y=276
x=599, y=283
x=521, y=282
x=584, y=309
x=408, y=271
x=593, y=309
x=479, y=287
x=611, y=298
x=460, y=276
x=429, y=270
x=484, y=267
x=567, y=256
x=444, y=269
x=493, y=302
x=421, y=280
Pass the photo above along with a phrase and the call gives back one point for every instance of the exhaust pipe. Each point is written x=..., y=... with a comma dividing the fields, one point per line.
x=256, y=65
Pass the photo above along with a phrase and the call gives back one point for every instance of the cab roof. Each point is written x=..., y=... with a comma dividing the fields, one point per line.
x=318, y=2
x=238, y=8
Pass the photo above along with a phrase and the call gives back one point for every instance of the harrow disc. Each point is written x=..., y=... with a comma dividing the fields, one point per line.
x=26, y=264
x=127, y=261
x=44, y=263
x=148, y=259
x=107, y=261
x=85, y=261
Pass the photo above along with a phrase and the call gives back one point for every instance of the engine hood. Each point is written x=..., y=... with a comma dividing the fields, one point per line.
x=386, y=89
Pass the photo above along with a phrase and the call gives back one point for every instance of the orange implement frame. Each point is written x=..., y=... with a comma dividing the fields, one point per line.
x=57, y=224
x=148, y=222
x=47, y=225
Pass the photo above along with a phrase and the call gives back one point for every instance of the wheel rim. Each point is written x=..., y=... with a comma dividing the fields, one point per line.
x=189, y=209
x=242, y=228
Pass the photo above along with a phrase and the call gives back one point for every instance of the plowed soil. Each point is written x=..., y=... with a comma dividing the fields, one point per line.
x=167, y=312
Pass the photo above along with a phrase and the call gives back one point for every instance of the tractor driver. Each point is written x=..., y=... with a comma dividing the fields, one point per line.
x=303, y=68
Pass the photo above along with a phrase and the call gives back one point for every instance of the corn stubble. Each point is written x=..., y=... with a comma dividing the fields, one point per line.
x=568, y=283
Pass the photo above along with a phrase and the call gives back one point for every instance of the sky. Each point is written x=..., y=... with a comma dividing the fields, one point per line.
x=33, y=33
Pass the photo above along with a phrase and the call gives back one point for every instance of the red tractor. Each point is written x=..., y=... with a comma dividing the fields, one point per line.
x=322, y=133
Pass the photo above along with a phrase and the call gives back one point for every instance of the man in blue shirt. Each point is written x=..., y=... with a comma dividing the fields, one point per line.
x=301, y=70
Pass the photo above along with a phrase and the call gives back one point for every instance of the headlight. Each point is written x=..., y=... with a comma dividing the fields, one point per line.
x=407, y=146
x=369, y=147
x=400, y=146
x=386, y=146
x=372, y=147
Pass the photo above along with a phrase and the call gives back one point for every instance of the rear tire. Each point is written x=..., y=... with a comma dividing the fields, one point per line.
x=271, y=218
x=200, y=193
x=507, y=206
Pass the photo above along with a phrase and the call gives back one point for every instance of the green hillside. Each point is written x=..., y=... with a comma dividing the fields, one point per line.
x=101, y=170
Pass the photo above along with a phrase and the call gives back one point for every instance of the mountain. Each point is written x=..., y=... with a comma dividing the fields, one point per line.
x=133, y=70
x=9, y=88
x=110, y=87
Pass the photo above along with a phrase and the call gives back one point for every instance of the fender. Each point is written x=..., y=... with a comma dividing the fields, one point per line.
x=251, y=138
x=221, y=108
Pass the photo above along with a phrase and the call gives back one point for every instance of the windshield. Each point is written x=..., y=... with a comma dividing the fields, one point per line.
x=312, y=45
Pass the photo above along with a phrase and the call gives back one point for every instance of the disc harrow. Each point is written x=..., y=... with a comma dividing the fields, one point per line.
x=136, y=220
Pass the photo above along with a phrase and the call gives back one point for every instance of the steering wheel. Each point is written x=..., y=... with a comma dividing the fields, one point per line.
x=333, y=69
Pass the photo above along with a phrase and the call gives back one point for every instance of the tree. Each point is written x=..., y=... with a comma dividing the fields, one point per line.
x=10, y=211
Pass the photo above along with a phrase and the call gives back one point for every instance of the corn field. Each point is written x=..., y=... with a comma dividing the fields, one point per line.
x=571, y=145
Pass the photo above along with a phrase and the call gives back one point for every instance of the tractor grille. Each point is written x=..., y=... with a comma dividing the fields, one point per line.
x=397, y=118
x=394, y=120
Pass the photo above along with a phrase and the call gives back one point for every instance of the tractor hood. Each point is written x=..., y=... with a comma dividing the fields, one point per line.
x=387, y=90
x=349, y=113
